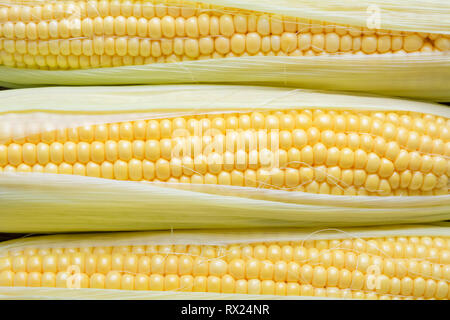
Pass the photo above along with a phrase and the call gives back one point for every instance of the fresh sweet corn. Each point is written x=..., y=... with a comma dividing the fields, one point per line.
x=60, y=35
x=383, y=267
x=314, y=151
x=198, y=156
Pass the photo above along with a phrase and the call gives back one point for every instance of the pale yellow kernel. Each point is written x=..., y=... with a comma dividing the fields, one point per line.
x=319, y=278
x=441, y=43
x=332, y=42
x=412, y=43
x=238, y=43
x=347, y=158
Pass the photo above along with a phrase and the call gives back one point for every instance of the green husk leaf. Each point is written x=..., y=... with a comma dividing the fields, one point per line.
x=424, y=76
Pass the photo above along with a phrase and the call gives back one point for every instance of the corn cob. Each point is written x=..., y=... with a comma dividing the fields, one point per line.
x=269, y=156
x=314, y=151
x=341, y=265
x=91, y=34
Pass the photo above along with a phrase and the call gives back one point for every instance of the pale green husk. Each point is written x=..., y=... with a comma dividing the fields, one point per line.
x=403, y=15
x=197, y=237
x=422, y=76
x=21, y=293
x=65, y=203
